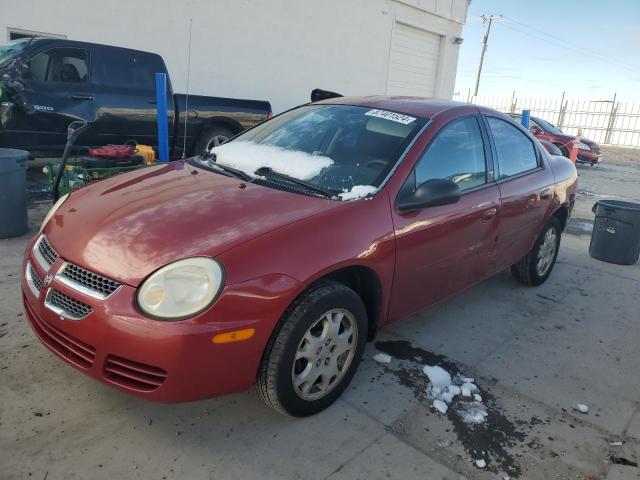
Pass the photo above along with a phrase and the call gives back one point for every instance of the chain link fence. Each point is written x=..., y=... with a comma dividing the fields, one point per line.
x=607, y=122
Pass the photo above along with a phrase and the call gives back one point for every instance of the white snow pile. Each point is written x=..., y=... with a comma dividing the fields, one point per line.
x=359, y=191
x=583, y=408
x=250, y=156
x=480, y=463
x=443, y=389
x=382, y=358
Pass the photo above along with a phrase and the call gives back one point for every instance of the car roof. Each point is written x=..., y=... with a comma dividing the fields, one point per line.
x=422, y=107
x=65, y=42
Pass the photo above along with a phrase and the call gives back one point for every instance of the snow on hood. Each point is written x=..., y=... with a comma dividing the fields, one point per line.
x=359, y=191
x=250, y=156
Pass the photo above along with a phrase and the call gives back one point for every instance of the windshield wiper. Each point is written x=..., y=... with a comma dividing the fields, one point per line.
x=233, y=171
x=264, y=171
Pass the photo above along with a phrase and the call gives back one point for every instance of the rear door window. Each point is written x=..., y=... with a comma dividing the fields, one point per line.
x=129, y=69
x=516, y=152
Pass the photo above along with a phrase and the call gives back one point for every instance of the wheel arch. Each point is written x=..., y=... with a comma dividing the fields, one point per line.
x=562, y=214
x=366, y=283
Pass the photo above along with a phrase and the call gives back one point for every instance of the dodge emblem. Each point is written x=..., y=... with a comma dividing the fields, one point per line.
x=47, y=279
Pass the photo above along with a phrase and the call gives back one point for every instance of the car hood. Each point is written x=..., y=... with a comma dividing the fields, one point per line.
x=573, y=137
x=586, y=141
x=128, y=226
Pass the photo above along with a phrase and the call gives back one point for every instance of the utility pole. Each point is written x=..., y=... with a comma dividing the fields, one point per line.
x=485, y=40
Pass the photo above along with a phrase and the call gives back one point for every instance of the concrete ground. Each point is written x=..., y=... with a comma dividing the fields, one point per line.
x=534, y=353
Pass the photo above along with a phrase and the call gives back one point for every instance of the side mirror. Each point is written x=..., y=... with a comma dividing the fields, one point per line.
x=432, y=193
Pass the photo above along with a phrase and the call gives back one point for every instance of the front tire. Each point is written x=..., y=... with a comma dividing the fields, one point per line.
x=314, y=351
x=534, y=268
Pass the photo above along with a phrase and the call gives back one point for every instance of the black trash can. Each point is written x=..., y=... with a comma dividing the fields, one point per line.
x=616, y=232
x=13, y=192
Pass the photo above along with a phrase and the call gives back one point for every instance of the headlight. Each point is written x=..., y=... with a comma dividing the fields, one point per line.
x=583, y=146
x=181, y=289
x=53, y=209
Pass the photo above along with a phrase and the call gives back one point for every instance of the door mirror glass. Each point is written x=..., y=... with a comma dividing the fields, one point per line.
x=432, y=193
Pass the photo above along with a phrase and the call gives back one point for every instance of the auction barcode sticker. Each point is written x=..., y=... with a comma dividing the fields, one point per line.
x=393, y=116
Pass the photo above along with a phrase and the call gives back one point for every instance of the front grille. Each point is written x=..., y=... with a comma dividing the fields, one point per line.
x=134, y=375
x=90, y=280
x=47, y=251
x=34, y=278
x=67, y=305
x=67, y=346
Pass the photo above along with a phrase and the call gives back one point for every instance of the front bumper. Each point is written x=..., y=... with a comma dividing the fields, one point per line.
x=160, y=361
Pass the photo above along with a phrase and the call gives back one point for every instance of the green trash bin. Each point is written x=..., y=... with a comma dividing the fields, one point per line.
x=13, y=192
x=616, y=232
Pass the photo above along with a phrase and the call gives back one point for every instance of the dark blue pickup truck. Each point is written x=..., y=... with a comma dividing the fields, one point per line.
x=47, y=83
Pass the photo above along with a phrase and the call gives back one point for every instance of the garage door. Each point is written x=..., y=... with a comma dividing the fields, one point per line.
x=413, y=63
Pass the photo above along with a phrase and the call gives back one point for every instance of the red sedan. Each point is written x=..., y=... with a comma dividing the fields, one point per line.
x=273, y=258
x=588, y=150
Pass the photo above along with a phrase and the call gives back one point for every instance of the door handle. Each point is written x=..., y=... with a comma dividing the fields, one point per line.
x=488, y=215
x=545, y=194
x=80, y=96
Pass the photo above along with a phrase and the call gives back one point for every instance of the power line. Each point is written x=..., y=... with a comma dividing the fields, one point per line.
x=574, y=45
x=559, y=42
x=569, y=47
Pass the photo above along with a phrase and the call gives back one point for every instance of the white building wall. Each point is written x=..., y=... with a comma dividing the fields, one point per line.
x=278, y=50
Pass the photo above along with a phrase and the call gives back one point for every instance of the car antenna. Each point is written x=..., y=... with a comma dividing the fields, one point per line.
x=186, y=102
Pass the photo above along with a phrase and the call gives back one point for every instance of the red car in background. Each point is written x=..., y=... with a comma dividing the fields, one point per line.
x=274, y=257
x=588, y=151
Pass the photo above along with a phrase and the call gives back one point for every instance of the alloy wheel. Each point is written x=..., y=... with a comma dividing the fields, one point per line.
x=324, y=354
x=215, y=141
x=546, y=252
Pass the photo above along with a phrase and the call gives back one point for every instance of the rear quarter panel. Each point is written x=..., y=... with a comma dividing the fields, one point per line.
x=566, y=181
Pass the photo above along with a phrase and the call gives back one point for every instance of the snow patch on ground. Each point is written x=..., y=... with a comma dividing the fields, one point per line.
x=440, y=406
x=443, y=389
x=472, y=413
x=480, y=463
x=382, y=358
x=359, y=191
x=583, y=408
x=438, y=376
x=250, y=156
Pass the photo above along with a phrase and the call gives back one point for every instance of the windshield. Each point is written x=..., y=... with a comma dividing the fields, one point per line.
x=8, y=52
x=343, y=149
x=547, y=126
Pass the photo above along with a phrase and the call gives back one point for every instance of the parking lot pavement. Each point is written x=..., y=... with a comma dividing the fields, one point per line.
x=534, y=354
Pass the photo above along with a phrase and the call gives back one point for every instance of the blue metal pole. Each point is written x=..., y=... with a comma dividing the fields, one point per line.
x=526, y=115
x=161, y=107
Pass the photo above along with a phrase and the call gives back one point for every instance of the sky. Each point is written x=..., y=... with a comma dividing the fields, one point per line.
x=589, y=49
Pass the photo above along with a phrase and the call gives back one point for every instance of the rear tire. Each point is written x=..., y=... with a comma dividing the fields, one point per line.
x=211, y=137
x=314, y=351
x=534, y=268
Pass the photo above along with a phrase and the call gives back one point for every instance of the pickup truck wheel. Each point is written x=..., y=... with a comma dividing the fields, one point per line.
x=536, y=266
x=212, y=137
x=314, y=351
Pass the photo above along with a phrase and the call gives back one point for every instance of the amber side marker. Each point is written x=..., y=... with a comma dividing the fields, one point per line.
x=235, y=336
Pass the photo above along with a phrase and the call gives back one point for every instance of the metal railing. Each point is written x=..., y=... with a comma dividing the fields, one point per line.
x=603, y=121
